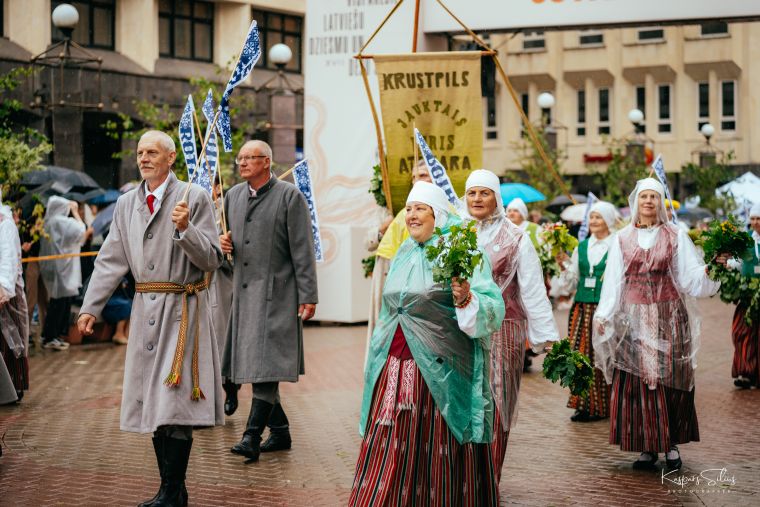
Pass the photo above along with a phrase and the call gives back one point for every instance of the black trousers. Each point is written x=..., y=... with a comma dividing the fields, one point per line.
x=57, y=319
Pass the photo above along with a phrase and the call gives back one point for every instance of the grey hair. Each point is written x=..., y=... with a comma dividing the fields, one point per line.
x=164, y=140
x=261, y=145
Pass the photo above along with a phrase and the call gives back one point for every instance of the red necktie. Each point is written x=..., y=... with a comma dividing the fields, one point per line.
x=151, y=199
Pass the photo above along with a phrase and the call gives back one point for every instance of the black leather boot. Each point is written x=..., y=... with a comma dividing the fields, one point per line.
x=176, y=456
x=249, y=446
x=158, y=447
x=231, y=398
x=279, y=431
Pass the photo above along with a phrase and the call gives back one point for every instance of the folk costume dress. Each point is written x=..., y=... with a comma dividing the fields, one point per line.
x=14, y=323
x=584, y=275
x=427, y=411
x=528, y=312
x=746, y=337
x=646, y=332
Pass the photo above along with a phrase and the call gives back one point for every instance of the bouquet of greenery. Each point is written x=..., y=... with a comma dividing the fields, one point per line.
x=729, y=237
x=368, y=263
x=556, y=239
x=376, y=186
x=572, y=368
x=455, y=254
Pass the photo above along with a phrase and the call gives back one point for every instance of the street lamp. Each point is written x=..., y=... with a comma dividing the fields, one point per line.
x=546, y=101
x=707, y=130
x=707, y=153
x=636, y=143
x=65, y=18
x=280, y=55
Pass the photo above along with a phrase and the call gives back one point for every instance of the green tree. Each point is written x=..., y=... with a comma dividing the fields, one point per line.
x=702, y=181
x=533, y=169
x=22, y=149
x=621, y=174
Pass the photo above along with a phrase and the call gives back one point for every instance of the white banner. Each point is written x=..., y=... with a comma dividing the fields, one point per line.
x=517, y=14
x=340, y=140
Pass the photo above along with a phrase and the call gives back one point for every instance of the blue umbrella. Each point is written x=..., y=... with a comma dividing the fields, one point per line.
x=525, y=192
x=103, y=220
x=106, y=197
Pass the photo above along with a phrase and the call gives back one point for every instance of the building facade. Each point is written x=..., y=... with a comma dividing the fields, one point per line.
x=680, y=77
x=150, y=49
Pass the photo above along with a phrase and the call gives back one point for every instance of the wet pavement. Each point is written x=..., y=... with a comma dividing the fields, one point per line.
x=62, y=444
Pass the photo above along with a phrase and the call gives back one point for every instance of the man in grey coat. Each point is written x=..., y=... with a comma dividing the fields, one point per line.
x=168, y=240
x=274, y=291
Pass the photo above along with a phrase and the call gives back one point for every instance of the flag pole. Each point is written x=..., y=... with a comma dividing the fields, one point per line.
x=203, y=149
x=287, y=173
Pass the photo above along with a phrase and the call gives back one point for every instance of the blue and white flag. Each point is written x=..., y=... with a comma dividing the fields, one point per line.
x=303, y=181
x=187, y=138
x=207, y=169
x=248, y=58
x=436, y=169
x=583, y=231
x=659, y=170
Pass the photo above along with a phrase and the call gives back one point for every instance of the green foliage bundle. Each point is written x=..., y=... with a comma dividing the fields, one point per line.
x=557, y=239
x=456, y=254
x=376, y=186
x=727, y=236
x=572, y=368
x=368, y=263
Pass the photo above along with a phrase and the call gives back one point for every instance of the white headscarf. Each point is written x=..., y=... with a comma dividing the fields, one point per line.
x=755, y=210
x=633, y=199
x=608, y=212
x=487, y=179
x=433, y=196
x=519, y=205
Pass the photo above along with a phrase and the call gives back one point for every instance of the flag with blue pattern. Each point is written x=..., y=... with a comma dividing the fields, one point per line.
x=583, y=231
x=207, y=169
x=436, y=169
x=303, y=181
x=187, y=138
x=248, y=58
x=659, y=170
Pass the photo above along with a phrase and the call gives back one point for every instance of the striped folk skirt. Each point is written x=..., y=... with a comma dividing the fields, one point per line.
x=507, y=353
x=650, y=420
x=596, y=403
x=408, y=455
x=18, y=367
x=746, y=340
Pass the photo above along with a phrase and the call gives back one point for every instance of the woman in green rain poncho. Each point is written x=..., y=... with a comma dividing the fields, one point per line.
x=427, y=411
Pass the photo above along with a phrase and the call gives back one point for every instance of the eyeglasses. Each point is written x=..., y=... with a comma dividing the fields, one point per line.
x=248, y=158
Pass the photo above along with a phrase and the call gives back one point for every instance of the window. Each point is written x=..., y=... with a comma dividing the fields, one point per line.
x=525, y=104
x=591, y=38
x=712, y=28
x=491, y=128
x=604, y=111
x=651, y=34
x=703, y=104
x=186, y=29
x=581, y=128
x=534, y=40
x=728, y=105
x=641, y=105
x=664, y=107
x=96, y=24
x=275, y=28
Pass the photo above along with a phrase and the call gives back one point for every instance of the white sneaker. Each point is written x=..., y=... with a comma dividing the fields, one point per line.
x=56, y=344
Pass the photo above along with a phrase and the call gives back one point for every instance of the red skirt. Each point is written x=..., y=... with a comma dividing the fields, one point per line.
x=746, y=347
x=650, y=420
x=596, y=402
x=408, y=455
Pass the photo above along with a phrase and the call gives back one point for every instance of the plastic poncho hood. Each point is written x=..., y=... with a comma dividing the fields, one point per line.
x=633, y=199
x=453, y=364
x=63, y=277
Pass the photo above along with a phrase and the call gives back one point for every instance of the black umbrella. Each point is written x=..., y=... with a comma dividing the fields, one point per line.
x=78, y=181
x=43, y=193
x=562, y=201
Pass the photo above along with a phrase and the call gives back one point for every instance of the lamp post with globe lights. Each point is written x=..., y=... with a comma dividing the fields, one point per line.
x=637, y=143
x=707, y=154
x=546, y=102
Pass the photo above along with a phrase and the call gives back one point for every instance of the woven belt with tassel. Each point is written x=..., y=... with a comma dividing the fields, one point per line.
x=186, y=290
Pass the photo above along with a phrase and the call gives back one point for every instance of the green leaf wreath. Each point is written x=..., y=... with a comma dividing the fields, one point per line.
x=572, y=368
x=376, y=186
x=557, y=239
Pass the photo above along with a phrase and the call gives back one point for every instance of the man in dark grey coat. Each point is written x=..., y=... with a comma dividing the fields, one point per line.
x=274, y=291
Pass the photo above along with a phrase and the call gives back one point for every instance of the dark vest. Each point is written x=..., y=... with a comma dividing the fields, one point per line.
x=589, y=294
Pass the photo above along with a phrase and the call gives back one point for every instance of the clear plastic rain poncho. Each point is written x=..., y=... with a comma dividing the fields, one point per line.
x=517, y=271
x=646, y=323
x=453, y=364
x=62, y=277
x=14, y=319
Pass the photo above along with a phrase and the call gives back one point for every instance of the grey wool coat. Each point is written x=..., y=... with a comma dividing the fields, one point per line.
x=154, y=251
x=274, y=271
